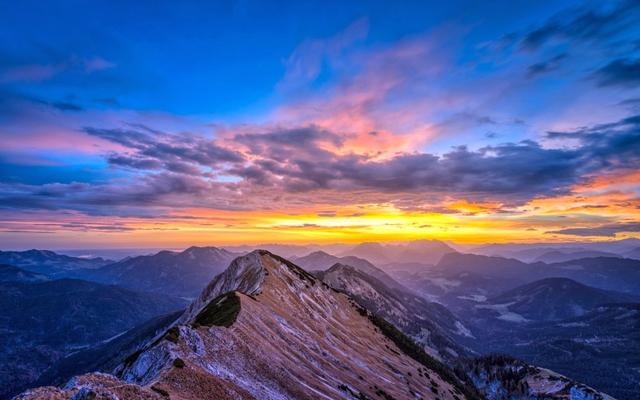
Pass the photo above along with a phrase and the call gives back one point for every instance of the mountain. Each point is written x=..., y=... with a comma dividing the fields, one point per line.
x=419, y=251
x=635, y=254
x=551, y=299
x=42, y=322
x=557, y=256
x=609, y=273
x=406, y=267
x=106, y=355
x=492, y=266
x=428, y=324
x=528, y=252
x=9, y=273
x=320, y=261
x=177, y=274
x=500, y=377
x=50, y=263
x=461, y=280
x=601, y=347
x=267, y=329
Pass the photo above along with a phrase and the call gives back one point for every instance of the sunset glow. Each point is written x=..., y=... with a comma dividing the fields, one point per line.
x=351, y=127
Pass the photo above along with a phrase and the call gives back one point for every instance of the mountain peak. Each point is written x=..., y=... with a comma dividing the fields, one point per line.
x=246, y=274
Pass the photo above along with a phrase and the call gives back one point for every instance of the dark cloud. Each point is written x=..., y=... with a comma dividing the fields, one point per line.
x=284, y=165
x=621, y=72
x=513, y=172
x=607, y=146
x=108, y=101
x=150, y=149
x=583, y=24
x=61, y=105
x=609, y=230
x=547, y=66
x=632, y=103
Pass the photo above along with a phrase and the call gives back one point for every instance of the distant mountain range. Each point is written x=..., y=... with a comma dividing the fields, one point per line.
x=556, y=256
x=419, y=251
x=529, y=252
x=461, y=280
x=9, y=273
x=552, y=299
x=178, y=274
x=49, y=263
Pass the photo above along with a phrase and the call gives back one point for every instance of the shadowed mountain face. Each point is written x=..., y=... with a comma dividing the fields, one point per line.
x=266, y=329
x=601, y=347
x=428, y=324
x=320, y=261
x=43, y=322
x=50, y=263
x=566, y=326
x=9, y=273
x=108, y=354
x=501, y=377
x=177, y=274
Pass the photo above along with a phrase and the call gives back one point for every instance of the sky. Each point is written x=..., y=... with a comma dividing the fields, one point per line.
x=238, y=122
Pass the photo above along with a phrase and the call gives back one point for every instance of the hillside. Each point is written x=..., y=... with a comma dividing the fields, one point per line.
x=552, y=299
x=601, y=347
x=428, y=324
x=43, y=322
x=9, y=273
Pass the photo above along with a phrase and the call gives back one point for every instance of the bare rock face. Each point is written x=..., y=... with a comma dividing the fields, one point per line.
x=267, y=329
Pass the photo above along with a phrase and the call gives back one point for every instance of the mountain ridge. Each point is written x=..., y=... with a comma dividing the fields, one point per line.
x=326, y=335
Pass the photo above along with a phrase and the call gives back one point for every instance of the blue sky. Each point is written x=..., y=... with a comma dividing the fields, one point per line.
x=150, y=109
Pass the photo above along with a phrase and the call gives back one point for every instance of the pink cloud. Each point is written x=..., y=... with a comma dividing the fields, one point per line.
x=369, y=101
x=31, y=73
x=97, y=64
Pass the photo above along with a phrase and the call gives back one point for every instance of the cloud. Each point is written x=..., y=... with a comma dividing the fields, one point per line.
x=39, y=72
x=291, y=166
x=61, y=105
x=621, y=72
x=149, y=149
x=610, y=230
x=547, y=66
x=305, y=63
x=299, y=160
x=30, y=73
x=97, y=64
x=583, y=24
